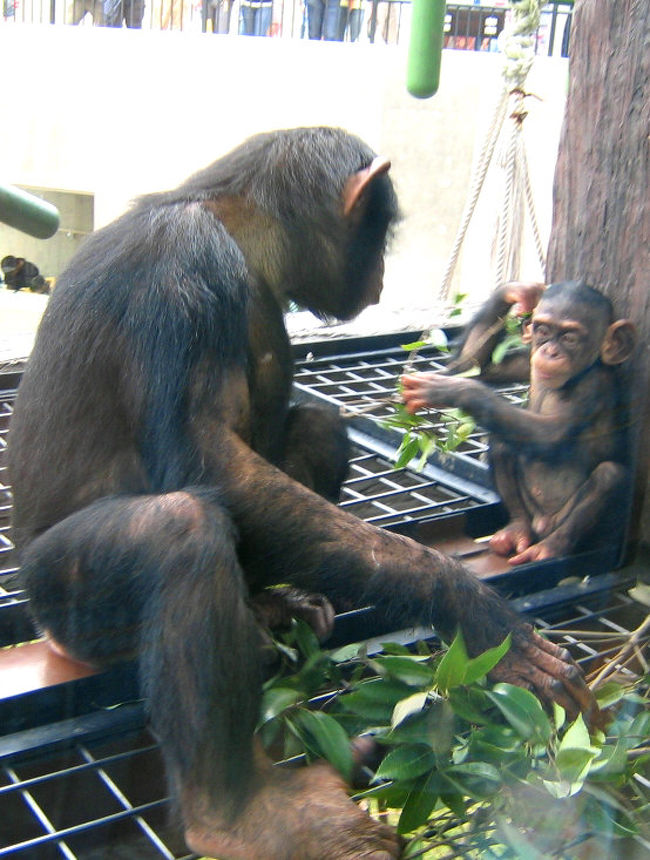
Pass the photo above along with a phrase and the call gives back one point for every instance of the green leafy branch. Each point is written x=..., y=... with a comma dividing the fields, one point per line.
x=421, y=438
x=469, y=769
x=512, y=340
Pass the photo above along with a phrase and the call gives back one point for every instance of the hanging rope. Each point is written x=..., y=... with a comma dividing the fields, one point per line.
x=519, y=53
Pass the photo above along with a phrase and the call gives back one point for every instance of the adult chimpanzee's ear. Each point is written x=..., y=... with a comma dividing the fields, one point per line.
x=618, y=343
x=356, y=184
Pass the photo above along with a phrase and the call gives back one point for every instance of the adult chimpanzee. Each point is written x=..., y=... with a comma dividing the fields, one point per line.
x=147, y=450
x=559, y=465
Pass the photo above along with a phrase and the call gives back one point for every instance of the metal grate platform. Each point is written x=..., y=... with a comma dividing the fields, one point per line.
x=10, y=593
x=94, y=787
x=363, y=384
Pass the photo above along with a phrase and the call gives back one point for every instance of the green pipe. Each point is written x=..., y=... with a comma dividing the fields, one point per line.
x=28, y=213
x=425, y=47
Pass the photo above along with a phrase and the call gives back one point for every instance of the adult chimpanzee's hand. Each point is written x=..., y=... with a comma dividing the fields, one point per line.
x=548, y=671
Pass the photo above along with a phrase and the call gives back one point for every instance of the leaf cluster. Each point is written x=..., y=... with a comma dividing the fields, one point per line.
x=512, y=339
x=468, y=769
x=421, y=437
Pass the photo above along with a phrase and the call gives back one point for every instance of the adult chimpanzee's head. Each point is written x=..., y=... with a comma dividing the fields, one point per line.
x=572, y=327
x=311, y=210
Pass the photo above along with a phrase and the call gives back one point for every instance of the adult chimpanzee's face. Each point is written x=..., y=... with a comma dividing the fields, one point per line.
x=566, y=339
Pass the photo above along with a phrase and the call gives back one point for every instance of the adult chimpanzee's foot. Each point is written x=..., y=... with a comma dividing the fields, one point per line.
x=300, y=814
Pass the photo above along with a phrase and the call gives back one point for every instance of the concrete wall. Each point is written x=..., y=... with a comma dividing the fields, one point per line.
x=117, y=113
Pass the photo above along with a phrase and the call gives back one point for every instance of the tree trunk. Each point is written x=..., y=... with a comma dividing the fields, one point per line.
x=601, y=214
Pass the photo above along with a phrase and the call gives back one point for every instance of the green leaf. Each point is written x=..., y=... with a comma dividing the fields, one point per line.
x=609, y=694
x=406, y=762
x=389, y=793
x=612, y=761
x=470, y=704
x=315, y=672
x=453, y=666
x=330, y=739
x=419, y=804
x=478, y=667
x=346, y=653
x=410, y=670
x=408, y=449
x=573, y=764
x=306, y=639
x=455, y=803
x=640, y=729
x=523, y=711
x=559, y=716
x=375, y=699
x=427, y=444
x=501, y=349
x=275, y=701
x=417, y=344
x=478, y=780
x=576, y=736
x=407, y=707
x=395, y=648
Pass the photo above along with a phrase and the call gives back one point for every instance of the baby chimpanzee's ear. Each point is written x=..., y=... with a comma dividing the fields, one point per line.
x=618, y=343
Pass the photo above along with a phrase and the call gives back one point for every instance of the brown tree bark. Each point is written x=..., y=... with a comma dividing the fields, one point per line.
x=601, y=214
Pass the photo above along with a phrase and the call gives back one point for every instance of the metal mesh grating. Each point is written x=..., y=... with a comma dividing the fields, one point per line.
x=92, y=799
x=364, y=384
x=94, y=787
x=7, y=567
x=380, y=494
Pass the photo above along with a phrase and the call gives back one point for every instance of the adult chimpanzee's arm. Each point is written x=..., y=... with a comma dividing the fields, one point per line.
x=288, y=533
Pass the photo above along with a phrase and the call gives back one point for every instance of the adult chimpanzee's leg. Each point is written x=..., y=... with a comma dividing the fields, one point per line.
x=317, y=450
x=160, y=574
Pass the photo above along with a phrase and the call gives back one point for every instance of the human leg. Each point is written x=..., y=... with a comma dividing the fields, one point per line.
x=315, y=10
x=331, y=23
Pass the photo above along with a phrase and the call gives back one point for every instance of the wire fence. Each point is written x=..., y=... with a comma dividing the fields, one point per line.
x=467, y=27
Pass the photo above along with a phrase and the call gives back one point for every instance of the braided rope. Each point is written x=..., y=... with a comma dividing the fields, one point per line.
x=519, y=53
x=519, y=42
x=478, y=179
x=530, y=200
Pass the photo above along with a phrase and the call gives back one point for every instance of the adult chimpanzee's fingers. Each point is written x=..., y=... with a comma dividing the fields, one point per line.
x=322, y=618
x=558, y=678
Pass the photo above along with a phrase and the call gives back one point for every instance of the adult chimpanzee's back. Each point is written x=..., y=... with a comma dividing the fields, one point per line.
x=162, y=480
x=103, y=406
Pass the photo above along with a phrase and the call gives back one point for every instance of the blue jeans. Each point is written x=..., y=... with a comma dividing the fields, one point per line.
x=115, y=11
x=255, y=22
x=323, y=18
x=351, y=19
